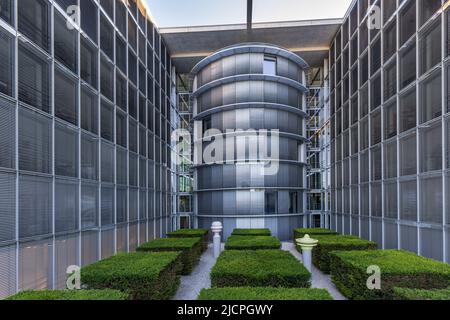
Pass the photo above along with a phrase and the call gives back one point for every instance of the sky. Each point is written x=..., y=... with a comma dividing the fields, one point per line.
x=178, y=13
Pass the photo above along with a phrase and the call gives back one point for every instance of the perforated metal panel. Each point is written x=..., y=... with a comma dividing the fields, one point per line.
x=35, y=266
x=7, y=271
x=66, y=254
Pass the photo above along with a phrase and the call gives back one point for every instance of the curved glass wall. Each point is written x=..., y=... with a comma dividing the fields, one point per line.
x=250, y=139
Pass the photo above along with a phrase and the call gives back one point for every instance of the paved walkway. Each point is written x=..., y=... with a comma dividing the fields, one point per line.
x=319, y=279
x=199, y=279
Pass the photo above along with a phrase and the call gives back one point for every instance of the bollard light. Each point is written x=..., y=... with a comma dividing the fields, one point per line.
x=217, y=228
x=307, y=244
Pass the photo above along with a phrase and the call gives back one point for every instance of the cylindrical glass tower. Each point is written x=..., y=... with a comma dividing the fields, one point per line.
x=249, y=139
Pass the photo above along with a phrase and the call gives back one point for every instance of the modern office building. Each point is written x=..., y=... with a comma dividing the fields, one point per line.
x=87, y=107
x=241, y=94
x=91, y=90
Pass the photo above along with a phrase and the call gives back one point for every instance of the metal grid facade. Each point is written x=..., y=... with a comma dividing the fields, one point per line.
x=391, y=125
x=87, y=107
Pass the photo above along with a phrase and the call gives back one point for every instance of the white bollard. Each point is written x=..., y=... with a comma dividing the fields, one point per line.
x=217, y=228
x=307, y=244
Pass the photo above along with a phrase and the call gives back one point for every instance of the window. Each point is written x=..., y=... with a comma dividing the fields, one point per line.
x=89, y=111
x=430, y=47
x=107, y=121
x=35, y=142
x=390, y=160
x=35, y=206
x=132, y=67
x=390, y=81
x=121, y=166
x=376, y=92
x=270, y=65
x=448, y=88
x=107, y=162
x=89, y=64
x=390, y=39
x=89, y=18
x=431, y=199
x=408, y=65
x=66, y=151
x=89, y=206
x=133, y=136
x=408, y=106
x=107, y=205
x=376, y=163
x=66, y=43
x=121, y=205
x=389, y=7
x=375, y=57
x=107, y=79
x=132, y=33
x=7, y=10
x=7, y=135
x=33, y=18
x=106, y=37
x=407, y=153
x=427, y=9
x=121, y=91
x=108, y=6
x=133, y=170
x=89, y=157
x=121, y=54
x=431, y=101
x=293, y=202
x=431, y=148
x=271, y=205
x=390, y=202
x=407, y=22
x=121, y=129
x=8, y=207
x=6, y=63
x=408, y=200
x=66, y=206
x=142, y=110
x=66, y=93
x=132, y=101
x=390, y=120
x=121, y=17
x=34, y=88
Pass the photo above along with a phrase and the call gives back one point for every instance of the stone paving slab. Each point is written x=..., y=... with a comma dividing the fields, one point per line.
x=199, y=279
x=319, y=279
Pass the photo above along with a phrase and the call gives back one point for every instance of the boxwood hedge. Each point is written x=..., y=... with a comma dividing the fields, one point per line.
x=252, y=243
x=329, y=243
x=192, y=233
x=264, y=293
x=70, y=295
x=251, y=232
x=398, y=269
x=421, y=294
x=190, y=248
x=259, y=268
x=144, y=276
x=300, y=233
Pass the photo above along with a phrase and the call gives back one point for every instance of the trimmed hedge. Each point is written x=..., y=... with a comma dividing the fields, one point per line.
x=264, y=293
x=398, y=269
x=300, y=233
x=145, y=276
x=251, y=232
x=329, y=243
x=70, y=295
x=190, y=248
x=259, y=268
x=252, y=243
x=192, y=233
x=420, y=294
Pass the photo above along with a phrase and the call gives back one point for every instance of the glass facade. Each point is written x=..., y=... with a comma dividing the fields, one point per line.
x=249, y=88
x=83, y=171
x=399, y=162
